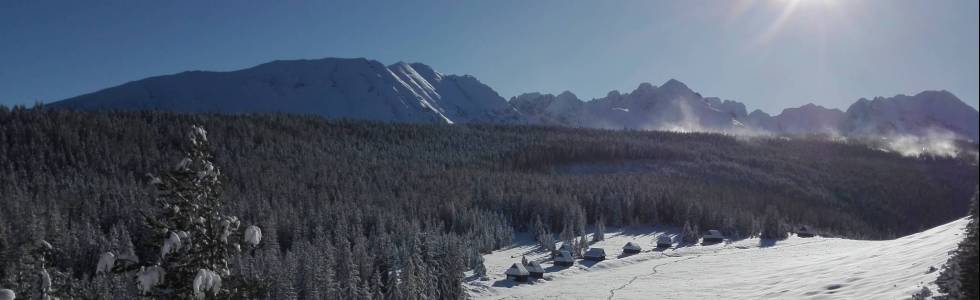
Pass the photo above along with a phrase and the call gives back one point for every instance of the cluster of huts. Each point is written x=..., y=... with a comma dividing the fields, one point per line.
x=522, y=272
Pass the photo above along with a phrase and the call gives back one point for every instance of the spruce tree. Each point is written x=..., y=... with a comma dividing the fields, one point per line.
x=958, y=279
x=772, y=226
x=600, y=230
x=689, y=234
x=480, y=270
x=196, y=239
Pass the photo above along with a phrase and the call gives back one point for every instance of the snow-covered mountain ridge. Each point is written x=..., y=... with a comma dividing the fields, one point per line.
x=331, y=87
x=413, y=92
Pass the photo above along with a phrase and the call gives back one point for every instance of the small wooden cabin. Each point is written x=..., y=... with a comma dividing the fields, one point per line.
x=518, y=273
x=805, y=232
x=632, y=248
x=665, y=241
x=713, y=237
x=535, y=270
x=564, y=259
x=595, y=254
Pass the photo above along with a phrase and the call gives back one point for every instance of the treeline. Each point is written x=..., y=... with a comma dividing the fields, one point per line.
x=356, y=209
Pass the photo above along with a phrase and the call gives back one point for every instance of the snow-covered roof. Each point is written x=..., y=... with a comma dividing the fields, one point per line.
x=565, y=247
x=564, y=256
x=714, y=234
x=632, y=246
x=595, y=252
x=534, y=267
x=517, y=269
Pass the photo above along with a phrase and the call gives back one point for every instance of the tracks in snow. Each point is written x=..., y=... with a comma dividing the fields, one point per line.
x=612, y=292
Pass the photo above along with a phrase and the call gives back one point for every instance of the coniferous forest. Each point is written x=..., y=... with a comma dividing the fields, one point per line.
x=364, y=210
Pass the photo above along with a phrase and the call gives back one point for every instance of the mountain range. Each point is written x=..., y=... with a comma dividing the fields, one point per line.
x=413, y=92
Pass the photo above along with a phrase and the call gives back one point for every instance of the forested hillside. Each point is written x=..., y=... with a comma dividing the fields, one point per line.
x=354, y=209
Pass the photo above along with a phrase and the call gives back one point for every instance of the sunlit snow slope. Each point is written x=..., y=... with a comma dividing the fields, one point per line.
x=797, y=268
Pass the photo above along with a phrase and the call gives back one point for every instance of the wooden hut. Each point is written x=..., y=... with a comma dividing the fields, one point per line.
x=713, y=237
x=805, y=232
x=595, y=254
x=665, y=241
x=537, y=272
x=632, y=248
x=517, y=272
x=564, y=259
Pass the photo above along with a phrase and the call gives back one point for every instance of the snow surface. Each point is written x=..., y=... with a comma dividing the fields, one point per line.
x=796, y=268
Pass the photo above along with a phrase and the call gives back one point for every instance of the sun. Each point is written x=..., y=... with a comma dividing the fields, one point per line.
x=787, y=9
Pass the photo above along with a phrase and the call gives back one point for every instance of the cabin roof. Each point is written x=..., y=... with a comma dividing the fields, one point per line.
x=565, y=256
x=517, y=269
x=535, y=267
x=595, y=252
x=632, y=246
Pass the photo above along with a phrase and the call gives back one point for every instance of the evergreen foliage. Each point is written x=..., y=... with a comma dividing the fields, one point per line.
x=361, y=209
x=958, y=278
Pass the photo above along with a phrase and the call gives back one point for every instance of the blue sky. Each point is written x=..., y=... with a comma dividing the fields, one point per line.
x=769, y=54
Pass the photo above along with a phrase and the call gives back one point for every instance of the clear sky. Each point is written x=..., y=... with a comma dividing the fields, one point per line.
x=769, y=54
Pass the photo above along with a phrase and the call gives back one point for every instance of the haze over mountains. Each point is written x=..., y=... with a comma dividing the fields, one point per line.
x=366, y=89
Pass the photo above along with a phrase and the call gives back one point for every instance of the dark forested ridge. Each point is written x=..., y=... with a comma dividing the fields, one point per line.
x=357, y=209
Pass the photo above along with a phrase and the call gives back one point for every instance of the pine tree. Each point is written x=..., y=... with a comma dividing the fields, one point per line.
x=772, y=226
x=480, y=270
x=969, y=262
x=567, y=236
x=690, y=234
x=958, y=279
x=32, y=277
x=197, y=239
x=600, y=230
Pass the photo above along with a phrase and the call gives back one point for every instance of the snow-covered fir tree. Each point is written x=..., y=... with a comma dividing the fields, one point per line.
x=772, y=226
x=959, y=279
x=600, y=230
x=196, y=239
x=480, y=269
x=32, y=277
x=689, y=233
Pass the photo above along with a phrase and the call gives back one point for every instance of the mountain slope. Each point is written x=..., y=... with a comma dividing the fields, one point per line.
x=797, y=268
x=807, y=119
x=921, y=114
x=366, y=89
x=672, y=106
x=331, y=87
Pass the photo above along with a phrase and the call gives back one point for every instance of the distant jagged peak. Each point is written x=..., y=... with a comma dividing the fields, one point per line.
x=568, y=96
x=812, y=108
x=674, y=84
x=759, y=113
x=613, y=94
x=645, y=88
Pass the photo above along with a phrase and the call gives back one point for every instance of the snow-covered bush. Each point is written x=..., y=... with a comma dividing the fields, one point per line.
x=253, y=235
x=6, y=294
x=206, y=283
x=106, y=262
x=149, y=277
